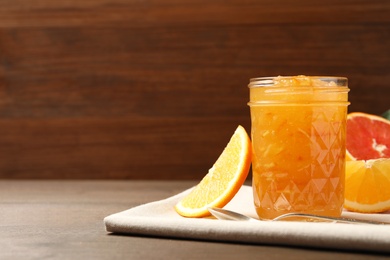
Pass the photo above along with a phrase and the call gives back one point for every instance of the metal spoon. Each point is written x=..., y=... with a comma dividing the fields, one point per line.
x=225, y=214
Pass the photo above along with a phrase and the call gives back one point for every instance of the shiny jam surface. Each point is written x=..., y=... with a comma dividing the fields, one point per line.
x=299, y=150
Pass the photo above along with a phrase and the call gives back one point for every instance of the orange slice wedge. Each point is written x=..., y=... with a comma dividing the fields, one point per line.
x=222, y=181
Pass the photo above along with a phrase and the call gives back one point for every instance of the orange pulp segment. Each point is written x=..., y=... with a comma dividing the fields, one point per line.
x=367, y=185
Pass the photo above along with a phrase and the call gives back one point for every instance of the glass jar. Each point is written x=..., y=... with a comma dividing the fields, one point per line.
x=298, y=140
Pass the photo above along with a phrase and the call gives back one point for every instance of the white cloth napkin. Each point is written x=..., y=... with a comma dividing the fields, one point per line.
x=160, y=219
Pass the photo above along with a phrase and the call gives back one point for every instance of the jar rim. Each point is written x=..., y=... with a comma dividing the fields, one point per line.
x=270, y=81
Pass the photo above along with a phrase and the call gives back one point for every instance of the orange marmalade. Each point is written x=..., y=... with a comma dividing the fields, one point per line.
x=298, y=139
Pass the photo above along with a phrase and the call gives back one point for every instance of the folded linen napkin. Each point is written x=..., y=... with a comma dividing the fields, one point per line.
x=160, y=219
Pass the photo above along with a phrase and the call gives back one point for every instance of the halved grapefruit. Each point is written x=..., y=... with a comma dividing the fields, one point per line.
x=368, y=137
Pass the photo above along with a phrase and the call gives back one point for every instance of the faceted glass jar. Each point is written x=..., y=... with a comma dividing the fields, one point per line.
x=298, y=140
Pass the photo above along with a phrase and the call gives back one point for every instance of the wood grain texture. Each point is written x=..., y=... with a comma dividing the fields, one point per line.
x=154, y=89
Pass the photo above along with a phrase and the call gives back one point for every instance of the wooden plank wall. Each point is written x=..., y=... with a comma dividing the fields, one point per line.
x=153, y=89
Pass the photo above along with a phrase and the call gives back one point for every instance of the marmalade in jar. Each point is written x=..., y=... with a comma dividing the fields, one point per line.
x=298, y=138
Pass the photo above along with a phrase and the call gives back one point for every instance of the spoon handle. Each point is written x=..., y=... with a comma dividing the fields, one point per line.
x=341, y=219
x=231, y=215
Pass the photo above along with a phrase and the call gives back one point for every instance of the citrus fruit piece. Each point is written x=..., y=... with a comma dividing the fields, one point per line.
x=222, y=181
x=367, y=185
x=368, y=137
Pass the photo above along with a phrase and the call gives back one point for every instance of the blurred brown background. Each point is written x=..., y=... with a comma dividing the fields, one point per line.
x=143, y=89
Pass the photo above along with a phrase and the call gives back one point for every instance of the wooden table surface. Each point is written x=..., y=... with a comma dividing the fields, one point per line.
x=64, y=220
